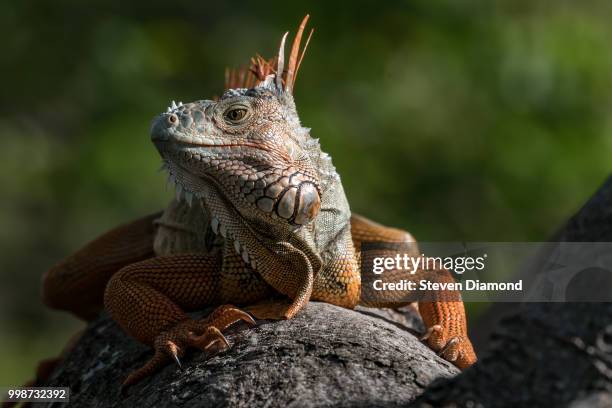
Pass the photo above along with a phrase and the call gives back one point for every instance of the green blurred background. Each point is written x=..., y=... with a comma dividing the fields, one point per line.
x=471, y=120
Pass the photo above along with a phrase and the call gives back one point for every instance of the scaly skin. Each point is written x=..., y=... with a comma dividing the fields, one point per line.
x=260, y=211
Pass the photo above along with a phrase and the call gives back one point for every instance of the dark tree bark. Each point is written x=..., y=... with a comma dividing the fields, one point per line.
x=549, y=355
x=592, y=223
x=545, y=355
x=326, y=356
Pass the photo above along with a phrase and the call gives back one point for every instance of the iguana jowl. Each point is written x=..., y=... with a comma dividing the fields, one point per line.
x=260, y=211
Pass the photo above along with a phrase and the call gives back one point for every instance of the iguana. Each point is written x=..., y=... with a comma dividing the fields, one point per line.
x=260, y=212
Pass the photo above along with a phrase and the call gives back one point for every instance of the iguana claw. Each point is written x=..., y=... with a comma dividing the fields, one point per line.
x=205, y=334
x=453, y=348
x=173, y=351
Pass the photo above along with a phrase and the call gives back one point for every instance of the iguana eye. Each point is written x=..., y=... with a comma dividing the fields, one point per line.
x=235, y=115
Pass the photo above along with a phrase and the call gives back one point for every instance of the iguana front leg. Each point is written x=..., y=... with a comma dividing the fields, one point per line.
x=442, y=311
x=149, y=300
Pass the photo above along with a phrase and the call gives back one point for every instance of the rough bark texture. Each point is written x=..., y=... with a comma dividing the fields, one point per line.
x=549, y=355
x=545, y=355
x=326, y=356
x=592, y=223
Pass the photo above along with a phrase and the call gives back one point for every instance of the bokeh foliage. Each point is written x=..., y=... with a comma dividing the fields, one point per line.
x=457, y=120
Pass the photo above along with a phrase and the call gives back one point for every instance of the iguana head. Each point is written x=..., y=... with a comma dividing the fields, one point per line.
x=248, y=145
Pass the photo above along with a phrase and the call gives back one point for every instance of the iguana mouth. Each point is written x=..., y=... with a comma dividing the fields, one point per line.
x=230, y=146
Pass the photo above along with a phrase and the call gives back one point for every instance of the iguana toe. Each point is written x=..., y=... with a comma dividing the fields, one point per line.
x=455, y=348
x=204, y=334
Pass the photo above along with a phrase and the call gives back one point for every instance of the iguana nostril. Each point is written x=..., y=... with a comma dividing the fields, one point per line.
x=172, y=119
